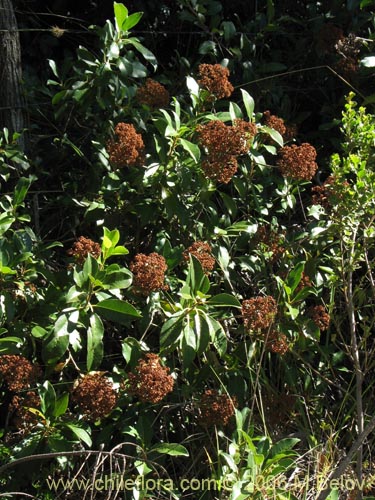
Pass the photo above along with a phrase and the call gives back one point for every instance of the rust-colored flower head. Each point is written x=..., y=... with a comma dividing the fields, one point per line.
x=297, y=162
x=17, y=372
x=328, y=37
x=95, y=396
x=224, y=140
x=220, y=169
x=349, y=46
x=320, y=317
x=322, y=194
x=272, y=240
x=82, y=247
x=259, y=312
x=305, y=282
x=202, y=251
x=153, y=94
x=127, y=149
x=214, y=78
x=216, y=409
x=274, y=122
x=276, y=342
x=150, y=382
x=148, y=272
x=20, y=406
x=347, y=67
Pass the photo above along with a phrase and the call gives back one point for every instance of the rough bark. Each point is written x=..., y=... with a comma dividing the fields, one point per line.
x=12, y=103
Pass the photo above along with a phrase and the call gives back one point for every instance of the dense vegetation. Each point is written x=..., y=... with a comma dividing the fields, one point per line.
x=187, y=248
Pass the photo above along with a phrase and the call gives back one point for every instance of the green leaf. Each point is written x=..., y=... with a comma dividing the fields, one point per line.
x=248, y=103
x=121, y=14
x=234, y=111
x=196, y=278
x=173, y=449
x=61, y=405
x=39, y=332
x=207, y=47
x=120, y=279
x=224, y=300
x=117, y=310
x=57, y=345
x=275, y=135
x=172, y=330
x=110, y=237
x=95, y=334
x=294, y=277
x=368, y=61
x=147, y=54
x=81, y=434
x=21, y=189
x=131, y=350
x=192, y=149
x=283, y=445
x=131, y=21
x=114, y=51
x=47, y=398
x=52, y=65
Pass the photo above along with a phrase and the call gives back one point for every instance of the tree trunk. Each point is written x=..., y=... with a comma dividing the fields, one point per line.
x=12, y=103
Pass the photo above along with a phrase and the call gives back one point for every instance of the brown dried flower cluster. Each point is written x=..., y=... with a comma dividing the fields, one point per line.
x=271, y=239
x=224, y=140
x=19, y=407
x=82, y=247
x=259, y=312
x=347, y=67
x=214, y=78
x=298, y=162
x=328, y=37
x=18, y=372
x=349, y=46
x=153, y=94
x=128, y=147
x=274, y=122
x=320, y=317
x=276, y=342
x=220, y=170
x=150, y=381
x=95, y=396
x=305, y=282
x=323, y=193
x=223, y=144
x=202, y=251
x=216, y=409
x=148, y=272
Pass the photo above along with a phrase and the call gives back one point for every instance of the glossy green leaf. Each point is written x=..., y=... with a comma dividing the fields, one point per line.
x=95, y=334
x=131, y=21
x=171, y=331
x=173, y=449
x=121, y=14
x=80, y=433
x=21, y=190
x=61, y=405
x=294, y=276
x=192, y=149
x=224, y=300
x=147, y=54
x=248, y=103
x=47, y=398
x=117, y=310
